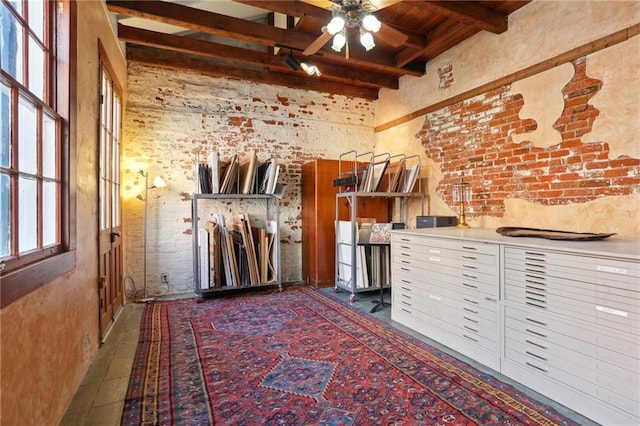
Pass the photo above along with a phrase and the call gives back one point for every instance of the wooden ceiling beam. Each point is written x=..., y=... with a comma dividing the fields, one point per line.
x=248, y=56
x=221, y=25
x=172, y=61
x=468, y=12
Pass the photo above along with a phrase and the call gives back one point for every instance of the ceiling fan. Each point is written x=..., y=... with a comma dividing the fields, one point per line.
x=356, y=15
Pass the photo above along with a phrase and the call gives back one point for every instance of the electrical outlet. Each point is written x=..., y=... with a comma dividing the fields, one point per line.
x=164, y=278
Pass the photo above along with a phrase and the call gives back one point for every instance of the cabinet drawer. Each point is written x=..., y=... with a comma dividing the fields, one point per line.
x=537, y=366
x=620, y=349
x=573, y=360
x=444, y=243
x=613, y=314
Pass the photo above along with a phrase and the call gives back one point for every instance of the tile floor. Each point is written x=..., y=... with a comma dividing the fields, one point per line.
x=100, y=397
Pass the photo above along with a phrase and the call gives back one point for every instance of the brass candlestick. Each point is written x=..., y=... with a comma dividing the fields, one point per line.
x=462, y=195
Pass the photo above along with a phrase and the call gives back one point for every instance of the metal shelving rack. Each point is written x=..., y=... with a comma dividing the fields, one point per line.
x=351, y=197
x=272, y=212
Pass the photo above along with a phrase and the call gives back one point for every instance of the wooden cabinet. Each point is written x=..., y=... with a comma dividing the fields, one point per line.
x=318, y=220
x=561, y=317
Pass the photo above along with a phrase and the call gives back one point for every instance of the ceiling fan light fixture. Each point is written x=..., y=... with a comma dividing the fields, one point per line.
x=366, y=39
x=371, y=23
x=336, y=25
x=339, y=40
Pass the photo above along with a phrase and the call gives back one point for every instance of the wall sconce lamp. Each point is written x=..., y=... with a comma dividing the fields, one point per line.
x=158, y=182
x=306, y=66
x=462, y=195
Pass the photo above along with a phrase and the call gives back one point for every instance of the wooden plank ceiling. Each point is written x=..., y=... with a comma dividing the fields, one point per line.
x=216, y=43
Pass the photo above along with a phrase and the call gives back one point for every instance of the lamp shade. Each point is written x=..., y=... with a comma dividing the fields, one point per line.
x=158, y=182
x=366, y=39
x=339, y=40
x=371, y=23
x=336, y=25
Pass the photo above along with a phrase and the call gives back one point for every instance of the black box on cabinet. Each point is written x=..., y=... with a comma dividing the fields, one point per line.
x=435, y=221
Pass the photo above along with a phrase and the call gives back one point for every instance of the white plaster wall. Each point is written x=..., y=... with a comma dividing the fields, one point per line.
x=619, y=99
x=538, y=31
x=172, y=117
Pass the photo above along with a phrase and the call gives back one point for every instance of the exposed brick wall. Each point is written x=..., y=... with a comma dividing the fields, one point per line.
x=473, y=139
x=172, y=117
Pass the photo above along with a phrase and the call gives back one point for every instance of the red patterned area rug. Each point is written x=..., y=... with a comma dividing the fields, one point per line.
x=300, y=357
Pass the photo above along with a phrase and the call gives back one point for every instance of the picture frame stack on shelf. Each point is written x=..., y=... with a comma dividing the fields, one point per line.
x=239, y=174
x=369, y=175
x=236, y=249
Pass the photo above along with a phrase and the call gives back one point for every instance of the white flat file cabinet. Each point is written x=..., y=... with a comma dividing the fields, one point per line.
x=561, y=317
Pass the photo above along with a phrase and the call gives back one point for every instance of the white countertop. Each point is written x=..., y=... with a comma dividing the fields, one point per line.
x=616, y=246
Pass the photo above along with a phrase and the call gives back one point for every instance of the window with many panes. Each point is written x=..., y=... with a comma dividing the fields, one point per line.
x=33, y=152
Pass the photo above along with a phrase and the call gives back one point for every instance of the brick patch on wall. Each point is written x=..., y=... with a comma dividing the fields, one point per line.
x=473, y=139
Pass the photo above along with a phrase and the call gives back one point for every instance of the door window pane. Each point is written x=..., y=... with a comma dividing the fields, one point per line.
x=5, y=126
x=11, y=44
x=36, y=17
x=28, y=213
x=49, y=161
x=49, y=213
x=5, y=215
x=27, y=133
x=36, y=69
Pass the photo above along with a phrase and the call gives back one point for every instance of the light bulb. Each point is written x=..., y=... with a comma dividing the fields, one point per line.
x=310, y=69
x=339, y=40
x=335, y=25
x=158, y=182
x=366, y=39
x=371, y=23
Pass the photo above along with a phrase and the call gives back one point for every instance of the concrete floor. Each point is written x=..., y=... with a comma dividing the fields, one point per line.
x=99, y=399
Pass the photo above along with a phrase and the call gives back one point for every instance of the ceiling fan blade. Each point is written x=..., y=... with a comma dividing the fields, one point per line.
x=381, y=4
x=317, y=44
x=392, y=36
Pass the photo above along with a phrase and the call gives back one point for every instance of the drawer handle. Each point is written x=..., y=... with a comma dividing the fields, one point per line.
x=470, y=301
x=536, y=333
x=406, y=310
x=536, y=282
x=405, y=288
x=536, y=367
x=470, y=329
x=535, y=265
x=405, y=247
x=533, y=299
x=406, y=240
x=406, y=303
x=406, y=269
x=469, y=285
x=535, y=253
x=469, y=248
x=405, y=254
x=471, y=319
x=406, y=262
x=406, y=296
x=536, y=305
x=470, y=257
x=470, y=310
x=469, y=266
x=535, y=321
x=536, y=344
x=470, y=338
x=470, y=276
x=490, y=299
x=536, y=355
x=534, y=293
